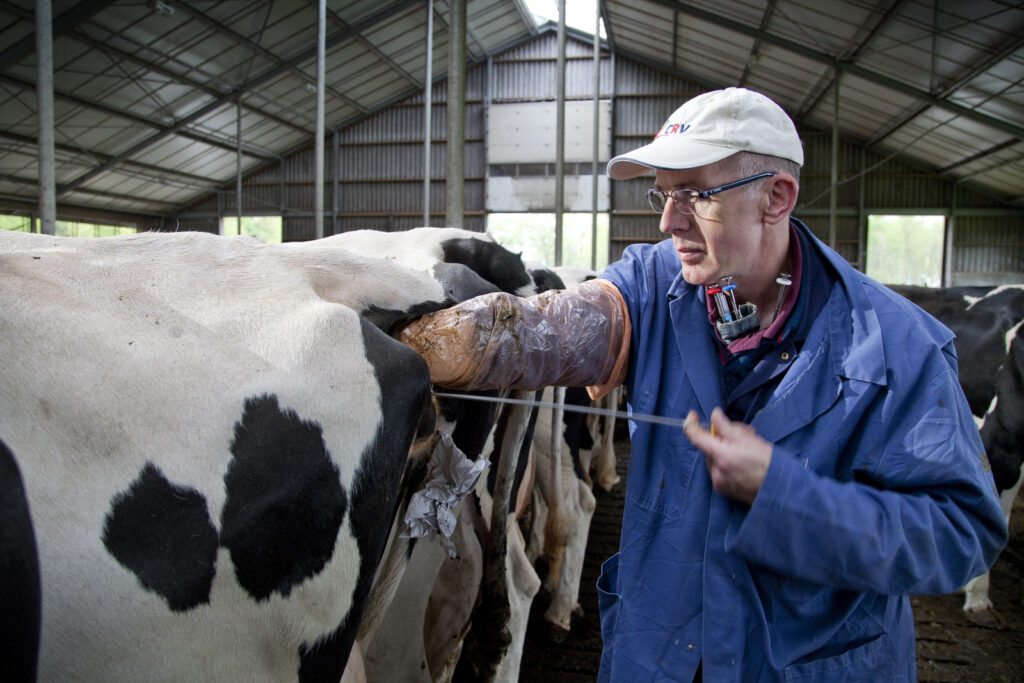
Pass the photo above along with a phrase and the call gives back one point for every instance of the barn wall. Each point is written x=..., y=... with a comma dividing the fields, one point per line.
x=374, y=168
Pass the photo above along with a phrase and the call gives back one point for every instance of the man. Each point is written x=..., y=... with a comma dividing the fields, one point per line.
x=841, y=470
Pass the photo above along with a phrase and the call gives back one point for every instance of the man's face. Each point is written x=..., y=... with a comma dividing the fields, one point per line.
x=728, y=236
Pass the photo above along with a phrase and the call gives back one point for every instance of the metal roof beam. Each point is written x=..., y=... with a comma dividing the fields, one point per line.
x=472, y=62
x=527, y=16
x=32, y=182
x=1008, y=50
x=755, y=50
x=203, y=181
x=602, y=7
x=852, y=52
x=392, y=64
x=469, y=31
x=847, y=66
x=177, y=78
x=134, y=118
x=78, y=13
x=979, y=155
x=266, y=76
x=263, y=52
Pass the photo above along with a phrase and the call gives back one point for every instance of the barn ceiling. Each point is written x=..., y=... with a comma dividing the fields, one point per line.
x=147, y=93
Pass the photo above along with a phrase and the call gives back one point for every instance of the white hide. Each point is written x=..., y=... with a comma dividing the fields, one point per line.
x=419, y=248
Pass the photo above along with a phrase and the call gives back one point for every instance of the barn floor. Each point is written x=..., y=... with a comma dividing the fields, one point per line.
x=949, y=647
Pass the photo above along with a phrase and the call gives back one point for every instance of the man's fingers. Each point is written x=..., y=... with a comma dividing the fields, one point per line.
x=701, y=436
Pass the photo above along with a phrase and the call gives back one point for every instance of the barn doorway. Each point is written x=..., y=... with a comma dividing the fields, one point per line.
x=906, y=250
x=533, y=234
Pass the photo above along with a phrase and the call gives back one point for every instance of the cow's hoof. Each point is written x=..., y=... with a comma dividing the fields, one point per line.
x=987, y=618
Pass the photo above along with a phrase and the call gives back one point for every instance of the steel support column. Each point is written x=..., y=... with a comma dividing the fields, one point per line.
x=428, y=97
x=597, y=137
x=321, y=86
x=560, y=134
x=238, y=165
x=834, y=186
x=44, y=96
x=455, y=181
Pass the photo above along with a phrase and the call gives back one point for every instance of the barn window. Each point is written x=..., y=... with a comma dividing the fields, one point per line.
x=906, y=250
x=17, y=223
x=266, y=229
x=533, y=234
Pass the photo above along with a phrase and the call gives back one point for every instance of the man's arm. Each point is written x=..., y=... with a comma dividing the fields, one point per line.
x=575, y=337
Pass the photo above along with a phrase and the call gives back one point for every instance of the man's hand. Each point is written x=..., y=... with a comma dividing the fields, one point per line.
x=736, y=456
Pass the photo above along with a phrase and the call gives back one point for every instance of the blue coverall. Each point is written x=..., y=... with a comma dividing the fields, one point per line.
x=878, y=489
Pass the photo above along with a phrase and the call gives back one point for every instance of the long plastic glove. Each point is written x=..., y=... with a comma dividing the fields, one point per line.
x=573, y=337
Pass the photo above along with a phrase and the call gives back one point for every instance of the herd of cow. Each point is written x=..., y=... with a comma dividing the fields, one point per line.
x=217, y=463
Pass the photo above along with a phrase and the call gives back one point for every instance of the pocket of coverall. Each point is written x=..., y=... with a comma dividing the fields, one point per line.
x=874, y=660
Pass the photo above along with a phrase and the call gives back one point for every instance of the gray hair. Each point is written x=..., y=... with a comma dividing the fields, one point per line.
x=746, y=164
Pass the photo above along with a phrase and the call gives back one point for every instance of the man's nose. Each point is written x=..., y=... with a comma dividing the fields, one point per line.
x=672, y=219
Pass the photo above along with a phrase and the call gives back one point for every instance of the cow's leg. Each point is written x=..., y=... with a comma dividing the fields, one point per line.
x=454, y=595
x=556, y=525
x=607, y=477
x=579, y=510
x=394, y=650
x=538, y=513
x=977, y=603
x=523, y=584
x=489, y=637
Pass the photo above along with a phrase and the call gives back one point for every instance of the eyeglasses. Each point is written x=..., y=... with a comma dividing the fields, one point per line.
x=688, y=201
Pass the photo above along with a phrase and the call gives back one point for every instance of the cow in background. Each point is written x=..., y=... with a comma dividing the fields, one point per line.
x=990, y=350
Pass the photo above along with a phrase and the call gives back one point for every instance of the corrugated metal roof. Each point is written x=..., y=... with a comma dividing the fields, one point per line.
x=146, y=92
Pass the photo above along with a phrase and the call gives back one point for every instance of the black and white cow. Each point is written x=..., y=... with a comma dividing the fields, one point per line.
x=213, y=436
x=990, y=349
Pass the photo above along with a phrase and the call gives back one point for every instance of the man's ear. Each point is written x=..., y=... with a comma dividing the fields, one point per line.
x=781, y=197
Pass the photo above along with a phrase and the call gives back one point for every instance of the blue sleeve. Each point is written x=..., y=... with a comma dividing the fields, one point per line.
x=920, y=515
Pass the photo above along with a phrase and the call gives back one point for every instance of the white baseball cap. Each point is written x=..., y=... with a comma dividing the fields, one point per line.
x=711, y=127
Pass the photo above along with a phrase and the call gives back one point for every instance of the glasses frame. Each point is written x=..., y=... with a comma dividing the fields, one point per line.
x=688, y=206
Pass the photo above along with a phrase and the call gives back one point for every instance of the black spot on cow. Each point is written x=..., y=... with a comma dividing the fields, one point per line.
x=472, y=420
x=489, y=260
x=285, y=502
x=1003, y=431
x=544, y=280
x=405, y=388
x=390, y=321
x=19, y=577
x=575, y=432
x=162, y=533
x=459, y=282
